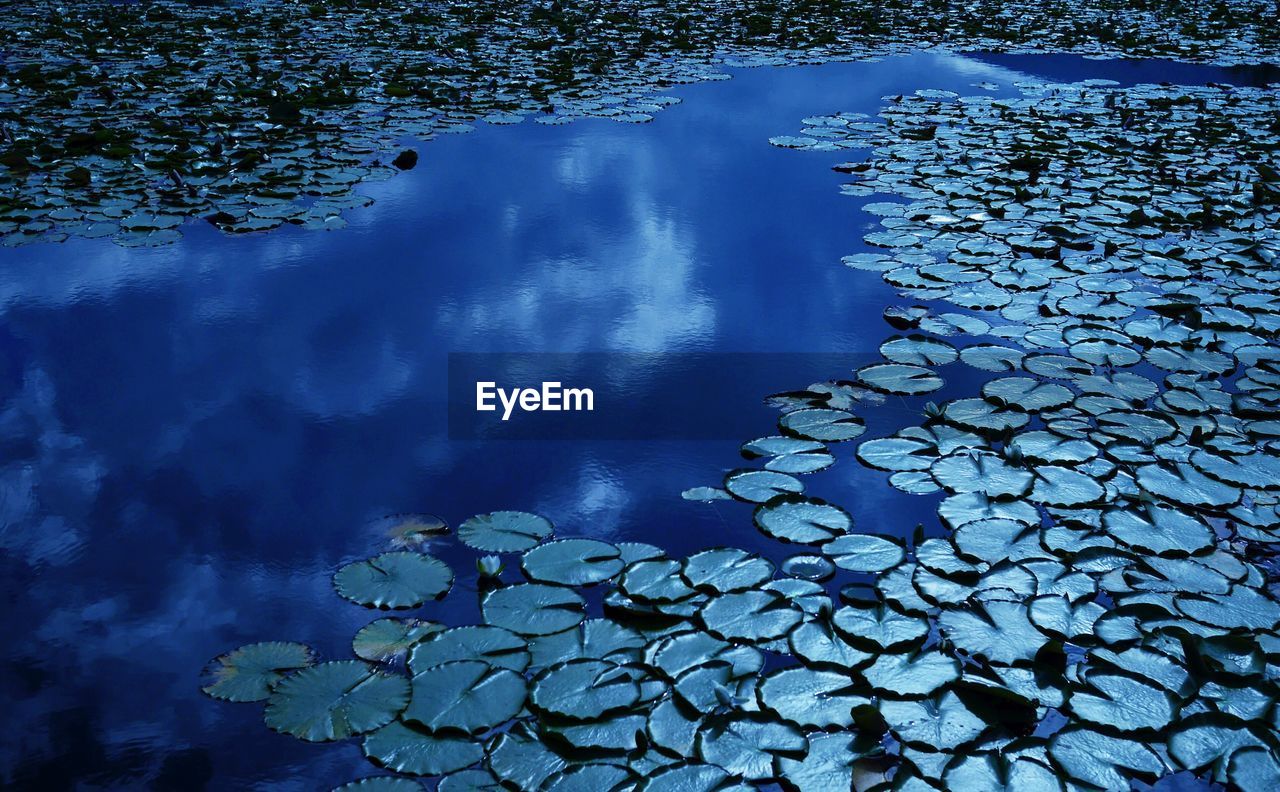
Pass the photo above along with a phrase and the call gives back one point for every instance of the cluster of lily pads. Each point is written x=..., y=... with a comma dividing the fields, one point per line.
x=124, y=120
x=661, y=693
x=1109, y=500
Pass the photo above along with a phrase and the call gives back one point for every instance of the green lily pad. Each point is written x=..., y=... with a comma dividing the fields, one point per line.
x=725, y=569
x=533, y=609
x=584, y=690
x=758, y=486
x=747, y=747
x=335, y=700
x=572, y=562
x=385, y=639
x=249, y=673
x=864, y=552
x=504, y=531
x=398, y=579
x=750, y=616
x=493, y=645
x=464, y=695
x=811, y=698
x=405, y=749
x=822, y=424
x=802, y=520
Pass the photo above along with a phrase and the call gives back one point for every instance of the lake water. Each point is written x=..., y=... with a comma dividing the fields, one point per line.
x=194, y=437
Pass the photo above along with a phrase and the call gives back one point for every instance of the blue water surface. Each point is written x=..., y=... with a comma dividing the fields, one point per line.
x=192, y=438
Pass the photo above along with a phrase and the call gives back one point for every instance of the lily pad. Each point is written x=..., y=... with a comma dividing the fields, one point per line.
x=572, y=562
x=533, y=609
x=398, y=579
x=249, y=673
x=802, y=520
x=405, y=749
x=464, y=695
x=493, y=645
x=747, y=747
x=822, y=424
x=384, y=639
x=750, y=616
x=864, y=552
x=584, y=690
x=758, y=486
x=504, y=531
x=335, y=700
x=810, y=698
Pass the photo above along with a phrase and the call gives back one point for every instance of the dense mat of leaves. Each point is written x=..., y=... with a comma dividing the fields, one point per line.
x=124, y=120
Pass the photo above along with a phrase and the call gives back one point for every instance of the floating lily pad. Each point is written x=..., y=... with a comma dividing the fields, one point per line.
x=405, y=749
x=725, y=569
x=998, y=631
x=916, y=674
x=900, y=379
x=493, y=645
x=802, y=520
x=746, y=747
x=599, y=639
x=816, y=699
x=572, y=562
x=533, y=609
x=1123, y=702
x=381, y=784
x=384, y=639
x=749, y=616
x=705, y=494
x=249, y=673
x=939, y=723
x=504, y=531
x=758, y=486
x=335, y=700
x=585, y=689
x=394, y=580
x=464, y=695
x=825, y=425
x=878, y=627
x=864, y=552
x=808, y=567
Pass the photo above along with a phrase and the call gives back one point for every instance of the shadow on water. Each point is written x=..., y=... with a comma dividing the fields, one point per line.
x=194, y=436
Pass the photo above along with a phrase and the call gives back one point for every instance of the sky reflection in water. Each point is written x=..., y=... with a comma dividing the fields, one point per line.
x=193, y=438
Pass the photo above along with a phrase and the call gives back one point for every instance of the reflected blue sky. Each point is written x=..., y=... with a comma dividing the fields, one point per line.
x=194, y=437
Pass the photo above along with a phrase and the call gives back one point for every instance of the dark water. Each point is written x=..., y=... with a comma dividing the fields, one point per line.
x=193, y=438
